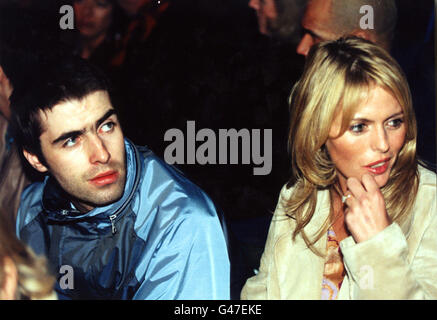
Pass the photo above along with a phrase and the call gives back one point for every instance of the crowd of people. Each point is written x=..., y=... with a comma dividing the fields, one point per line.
x=77, y=104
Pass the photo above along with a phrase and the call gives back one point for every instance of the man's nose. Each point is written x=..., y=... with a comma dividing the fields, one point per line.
x=98, y=151
x=305, y=45
x=380, y=140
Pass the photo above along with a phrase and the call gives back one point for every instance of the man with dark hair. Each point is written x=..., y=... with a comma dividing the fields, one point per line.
x=128, y=225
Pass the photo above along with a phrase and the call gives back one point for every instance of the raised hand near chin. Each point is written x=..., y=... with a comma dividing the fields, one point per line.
x=365, y=213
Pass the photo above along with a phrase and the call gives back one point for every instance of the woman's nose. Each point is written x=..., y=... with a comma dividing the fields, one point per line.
x=380, y=141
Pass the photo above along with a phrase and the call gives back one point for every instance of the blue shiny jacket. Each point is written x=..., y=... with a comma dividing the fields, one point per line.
x=161, y=240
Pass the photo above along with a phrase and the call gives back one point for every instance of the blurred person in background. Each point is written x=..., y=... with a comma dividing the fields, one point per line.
x=279, y=18
x=267, y=14
x=140, y=19
x=93, y=20
x=12, y=176
x=23, y=275
x=331, y=19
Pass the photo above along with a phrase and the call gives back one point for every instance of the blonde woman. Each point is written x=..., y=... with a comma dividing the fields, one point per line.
x=23, y=275
x=357, y=220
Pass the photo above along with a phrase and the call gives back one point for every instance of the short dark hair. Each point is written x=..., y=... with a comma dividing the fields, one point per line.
x=346, y=17
x=71, y=78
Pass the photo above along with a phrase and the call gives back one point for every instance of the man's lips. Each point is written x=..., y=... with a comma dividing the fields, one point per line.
x=105, y=178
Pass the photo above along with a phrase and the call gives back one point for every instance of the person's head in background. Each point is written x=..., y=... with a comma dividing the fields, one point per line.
x=332, y=19
x=93, y=21
x=278, y=18
x=267, y=14
x=131, y=7
x=23, y=275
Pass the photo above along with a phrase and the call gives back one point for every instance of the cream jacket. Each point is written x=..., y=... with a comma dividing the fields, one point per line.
x=400, y=262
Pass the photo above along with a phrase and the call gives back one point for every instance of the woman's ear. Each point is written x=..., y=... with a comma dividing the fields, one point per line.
x=34, y=161
x=8, y=291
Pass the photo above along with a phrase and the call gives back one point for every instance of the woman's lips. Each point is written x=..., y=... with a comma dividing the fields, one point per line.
x=105, y=178
x=378, y=167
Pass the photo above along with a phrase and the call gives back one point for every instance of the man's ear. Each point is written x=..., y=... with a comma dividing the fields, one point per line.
x=34, y=161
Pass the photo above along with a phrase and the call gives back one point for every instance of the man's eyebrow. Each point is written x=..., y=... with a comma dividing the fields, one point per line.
x=76, y=133
x=109, y=113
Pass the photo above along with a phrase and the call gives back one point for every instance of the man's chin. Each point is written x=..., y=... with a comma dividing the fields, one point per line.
x=102, y=197
x=89, y=205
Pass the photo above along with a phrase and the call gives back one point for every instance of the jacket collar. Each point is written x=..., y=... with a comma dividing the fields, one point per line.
x=321, y=214
x=305, y=282
x=57, y=206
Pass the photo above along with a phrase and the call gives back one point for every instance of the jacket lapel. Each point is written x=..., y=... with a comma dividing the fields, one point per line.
x=300, y=271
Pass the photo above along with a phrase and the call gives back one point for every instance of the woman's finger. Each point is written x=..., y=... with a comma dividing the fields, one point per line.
x=369, y=183
x=355, y=187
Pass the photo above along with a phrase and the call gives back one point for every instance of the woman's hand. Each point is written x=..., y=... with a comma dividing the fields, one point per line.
x=365, y=214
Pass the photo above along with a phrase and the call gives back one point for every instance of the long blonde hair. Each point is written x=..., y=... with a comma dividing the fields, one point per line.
x=336, y=75
x=34, y=279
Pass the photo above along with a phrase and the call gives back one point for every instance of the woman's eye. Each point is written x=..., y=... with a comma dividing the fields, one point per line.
x=396, y=123
x=357, y=128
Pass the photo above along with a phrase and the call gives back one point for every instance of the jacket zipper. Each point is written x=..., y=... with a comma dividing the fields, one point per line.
x=137, y=179
x=112, y=219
